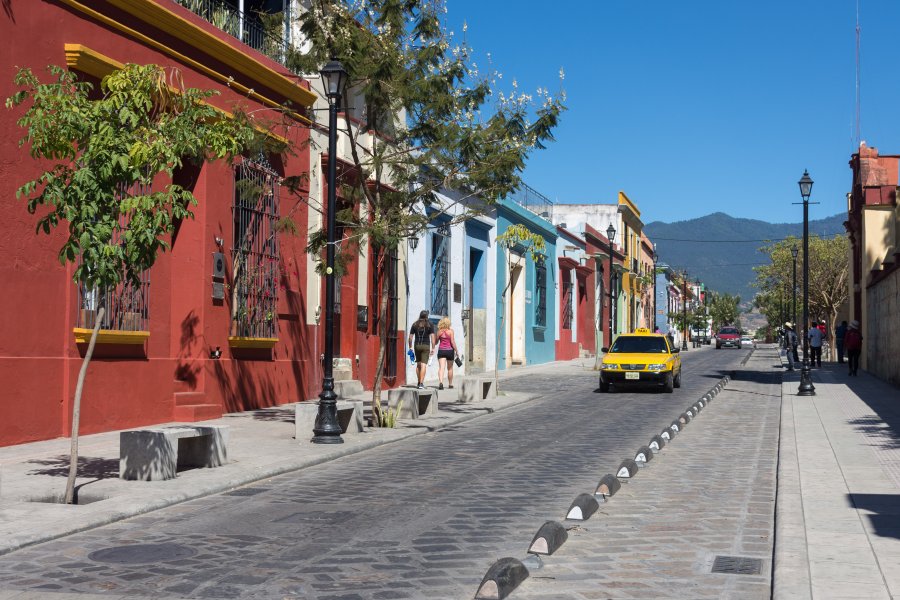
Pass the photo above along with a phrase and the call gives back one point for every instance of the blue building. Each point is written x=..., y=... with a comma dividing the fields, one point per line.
x=526, y=288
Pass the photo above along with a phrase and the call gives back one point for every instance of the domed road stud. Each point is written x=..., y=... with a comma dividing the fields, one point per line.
x=548, y=539
x=582, y=508
x=667, y=434
x=502, y=578
x=684, y=419
x=675, y=426
x=627, y=469
x=643, y=456
x=607, y=487
x=657, y=443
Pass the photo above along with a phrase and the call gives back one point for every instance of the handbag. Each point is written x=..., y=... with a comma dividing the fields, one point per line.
x=458, y=361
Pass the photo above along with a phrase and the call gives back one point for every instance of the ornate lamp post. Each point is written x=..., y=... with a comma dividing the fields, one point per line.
x=794, y=253
x=684, y=322
x=655, y=259
x=806, y=385
x=326, y=429
x=611, y=235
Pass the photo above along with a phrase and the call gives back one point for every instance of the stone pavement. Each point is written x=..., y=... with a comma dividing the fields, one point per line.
x=261, y=445
x=838, y=533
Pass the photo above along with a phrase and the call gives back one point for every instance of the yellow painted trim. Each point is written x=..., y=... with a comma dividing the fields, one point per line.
x=89, y=61
x=110, y=336
x=251, y=342
x=625, y=200
x=229, y=54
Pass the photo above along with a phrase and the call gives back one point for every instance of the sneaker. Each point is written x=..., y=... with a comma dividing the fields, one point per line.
x=440, y=386
x=451, y=387
x=420, y=387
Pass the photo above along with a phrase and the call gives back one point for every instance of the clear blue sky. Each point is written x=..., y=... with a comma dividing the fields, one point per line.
x=695, y=107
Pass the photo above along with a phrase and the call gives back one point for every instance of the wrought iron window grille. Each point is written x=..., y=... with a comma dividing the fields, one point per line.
x=540, y=292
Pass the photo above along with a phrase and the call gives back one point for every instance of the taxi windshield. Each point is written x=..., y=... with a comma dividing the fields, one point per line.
x=633, y=344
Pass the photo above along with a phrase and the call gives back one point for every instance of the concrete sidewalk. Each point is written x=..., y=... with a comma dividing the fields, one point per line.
x=838, y=506
x=261, y=445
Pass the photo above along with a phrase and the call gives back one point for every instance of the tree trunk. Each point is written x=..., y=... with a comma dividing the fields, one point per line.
x=76, y=410
x=382, y=339
x=832, y=339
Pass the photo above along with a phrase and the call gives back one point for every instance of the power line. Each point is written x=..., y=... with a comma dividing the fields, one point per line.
x=654, y=238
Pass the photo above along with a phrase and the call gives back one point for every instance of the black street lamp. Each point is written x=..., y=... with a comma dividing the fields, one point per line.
x=611, y=235
x=655, y=258
x=684, y=322
x=326, y=429
x=794, y=253
x=806, y=385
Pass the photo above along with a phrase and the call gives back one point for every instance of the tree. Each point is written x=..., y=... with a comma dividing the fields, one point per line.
x=724, y=310
x=432, y=122
x=104, y=187
x=829, y=270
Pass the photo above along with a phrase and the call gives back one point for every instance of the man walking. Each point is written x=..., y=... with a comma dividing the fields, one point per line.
x=839, y=334
x=789, y=341
x=815, y=345
x=853, y=345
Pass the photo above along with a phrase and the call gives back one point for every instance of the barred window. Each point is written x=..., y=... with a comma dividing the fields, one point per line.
x=127, y=305
x=254, y=251
x=440, y=271
x=567, y=309
x=540, y=292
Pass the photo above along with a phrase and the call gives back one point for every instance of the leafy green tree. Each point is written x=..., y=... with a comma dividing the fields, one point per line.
x=724, y=310
x=114, y=159
x=829, y=271
x=432, y=121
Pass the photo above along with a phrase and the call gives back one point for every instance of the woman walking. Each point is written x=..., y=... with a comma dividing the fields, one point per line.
x=421, y=341
x=446, y=352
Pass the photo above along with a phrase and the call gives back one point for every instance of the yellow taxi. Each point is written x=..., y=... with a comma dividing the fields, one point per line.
x=641, y=357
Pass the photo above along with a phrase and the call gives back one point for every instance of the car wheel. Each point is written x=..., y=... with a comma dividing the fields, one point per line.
x=604, y=387
x=669, y=385
x=677, y=382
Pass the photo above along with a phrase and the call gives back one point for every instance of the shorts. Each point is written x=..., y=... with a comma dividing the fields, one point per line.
x=422, y=353
x=447, y=353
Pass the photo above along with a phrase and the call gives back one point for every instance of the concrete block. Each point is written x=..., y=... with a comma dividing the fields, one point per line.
x=608, y=486
x=349, y=416
x=548, y=539
x=155, y=454
x=501, y=579
x=643, y=456
x=582, y=508
x=413, y=402
x=476, y=389
x=348, y=388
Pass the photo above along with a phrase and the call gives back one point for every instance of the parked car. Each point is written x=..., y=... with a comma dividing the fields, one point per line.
x=728, y=337
x=641, y=357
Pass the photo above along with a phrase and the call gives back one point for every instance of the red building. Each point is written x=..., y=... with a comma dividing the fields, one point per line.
x=231, y=281
x=598, y=248
x=576, y=297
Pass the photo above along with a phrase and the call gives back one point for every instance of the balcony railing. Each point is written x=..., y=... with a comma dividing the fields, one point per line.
x=531, y=199
x=243, y=26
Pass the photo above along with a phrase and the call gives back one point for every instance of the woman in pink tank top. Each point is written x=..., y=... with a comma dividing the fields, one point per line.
x=446, y=352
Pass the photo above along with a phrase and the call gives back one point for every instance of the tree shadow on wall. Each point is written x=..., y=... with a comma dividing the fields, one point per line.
x=188, y=367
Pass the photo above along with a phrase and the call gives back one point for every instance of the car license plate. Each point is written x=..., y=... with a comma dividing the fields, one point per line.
x=632, y=375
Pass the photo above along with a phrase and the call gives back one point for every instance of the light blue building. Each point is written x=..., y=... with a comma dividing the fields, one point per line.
x=526, y=289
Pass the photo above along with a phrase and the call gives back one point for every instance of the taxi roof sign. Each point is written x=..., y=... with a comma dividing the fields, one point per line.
x=643, y=330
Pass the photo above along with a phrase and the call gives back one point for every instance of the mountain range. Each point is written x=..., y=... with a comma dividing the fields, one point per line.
x=722, y=250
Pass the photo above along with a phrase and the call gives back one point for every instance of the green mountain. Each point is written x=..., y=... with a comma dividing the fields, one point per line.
x=721, y=250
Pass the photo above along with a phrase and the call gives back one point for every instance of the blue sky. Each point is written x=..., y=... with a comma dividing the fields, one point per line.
x=701, y=106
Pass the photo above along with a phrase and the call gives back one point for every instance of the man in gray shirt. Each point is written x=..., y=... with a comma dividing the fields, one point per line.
x=815, y=345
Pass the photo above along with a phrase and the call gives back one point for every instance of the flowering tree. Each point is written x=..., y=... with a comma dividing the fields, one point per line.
x=432, y=121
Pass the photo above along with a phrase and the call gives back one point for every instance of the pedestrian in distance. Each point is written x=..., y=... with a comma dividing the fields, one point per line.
x=839, y=333
x=815, y=345
x=789, y=341
x=853, y=345
x=421, y=342
x=446, y=352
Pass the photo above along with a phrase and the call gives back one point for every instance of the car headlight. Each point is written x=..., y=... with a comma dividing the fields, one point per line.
x=609, y=366
x=657, y=367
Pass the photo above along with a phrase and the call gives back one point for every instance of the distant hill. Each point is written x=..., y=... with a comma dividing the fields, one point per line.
x=721, y=250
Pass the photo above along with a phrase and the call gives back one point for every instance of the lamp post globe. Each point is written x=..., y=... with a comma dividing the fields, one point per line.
x=611, y=236
x=327, y=430
x=806, y=386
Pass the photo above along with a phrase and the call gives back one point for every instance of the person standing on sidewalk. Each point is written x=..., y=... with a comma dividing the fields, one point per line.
x=421, y=341
x=853, y=346
x=815, y=346
x=446, y=352
x=789, y=341
x=839, y=333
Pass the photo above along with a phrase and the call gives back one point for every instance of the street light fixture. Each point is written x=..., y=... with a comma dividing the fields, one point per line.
x=327, y=430
x=806, y=385
x=794, y=253
x=684, y=322
x=611, y=235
